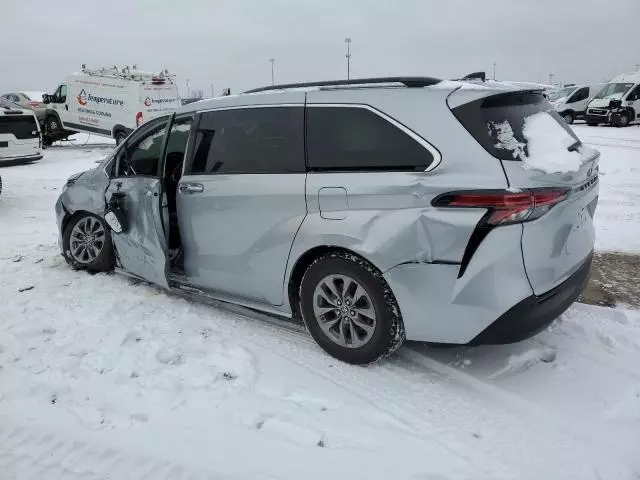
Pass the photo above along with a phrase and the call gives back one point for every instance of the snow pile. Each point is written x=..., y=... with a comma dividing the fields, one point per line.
x=503, y=132
x=547, y=144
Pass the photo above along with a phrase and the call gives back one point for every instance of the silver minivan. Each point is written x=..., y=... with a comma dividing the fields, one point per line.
x=373, y=210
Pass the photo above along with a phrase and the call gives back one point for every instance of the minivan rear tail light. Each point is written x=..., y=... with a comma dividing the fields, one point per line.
x=138, y=119
x=505, y=207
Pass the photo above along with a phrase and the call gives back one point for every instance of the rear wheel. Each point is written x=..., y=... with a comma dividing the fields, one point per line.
x=349, y=309
x=87, y=244
x=592, y=124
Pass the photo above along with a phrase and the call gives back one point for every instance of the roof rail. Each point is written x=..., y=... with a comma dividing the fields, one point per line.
x=412, y=82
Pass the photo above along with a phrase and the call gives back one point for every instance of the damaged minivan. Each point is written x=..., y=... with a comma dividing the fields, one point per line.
x=373, y=210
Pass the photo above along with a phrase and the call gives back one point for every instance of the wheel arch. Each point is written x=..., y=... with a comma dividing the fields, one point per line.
x=53, y=113
x=301, y=265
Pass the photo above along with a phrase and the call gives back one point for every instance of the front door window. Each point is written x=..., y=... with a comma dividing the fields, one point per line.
x=140, y=156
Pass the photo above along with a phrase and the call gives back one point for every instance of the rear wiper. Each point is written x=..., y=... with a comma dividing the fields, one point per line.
x=574, y=146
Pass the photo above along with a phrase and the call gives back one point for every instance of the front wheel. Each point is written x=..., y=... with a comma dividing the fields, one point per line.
x=349, y=309
x=568, y=117
x=52, y=124
x=621, y=120
x=87, y=244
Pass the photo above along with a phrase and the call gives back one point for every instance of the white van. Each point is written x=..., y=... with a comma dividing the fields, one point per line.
x=626, y=88
x=19, y=133
x=110, y=102
x=571, y=102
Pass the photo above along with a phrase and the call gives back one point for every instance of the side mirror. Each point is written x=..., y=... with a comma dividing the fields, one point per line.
x=46, y=99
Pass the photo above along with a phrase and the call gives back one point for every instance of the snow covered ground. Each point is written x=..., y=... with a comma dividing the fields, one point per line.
x=104, y=378
x=618, y=215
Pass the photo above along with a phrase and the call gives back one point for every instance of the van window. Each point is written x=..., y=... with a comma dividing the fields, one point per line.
x=141, y=155
x=581, y=94
x=22, y=127
x=63, y=93
x=250, y=140
x=497, y=122
x=354, y=138
x=614, y=91
x=634, y=95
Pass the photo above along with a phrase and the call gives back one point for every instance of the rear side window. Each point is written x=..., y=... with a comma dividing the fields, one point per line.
x=250, y=140
x=354, y=138
x=21, y=126
x=497, y=122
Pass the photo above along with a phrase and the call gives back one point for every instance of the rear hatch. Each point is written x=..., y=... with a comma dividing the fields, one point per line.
x=19, y=133
x=542, y=155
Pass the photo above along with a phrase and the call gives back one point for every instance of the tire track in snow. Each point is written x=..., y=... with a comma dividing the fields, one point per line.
x=403, y=409
x=29, y=454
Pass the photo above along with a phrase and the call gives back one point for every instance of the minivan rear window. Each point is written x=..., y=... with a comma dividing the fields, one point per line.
x=497, y=122
x=21, y=126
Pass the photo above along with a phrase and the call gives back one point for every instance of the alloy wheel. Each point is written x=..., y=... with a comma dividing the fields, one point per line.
x=87, y=240
x=344, y=311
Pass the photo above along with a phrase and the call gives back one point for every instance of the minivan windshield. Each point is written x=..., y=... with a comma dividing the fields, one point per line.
x=614, y=90
x=562, y=93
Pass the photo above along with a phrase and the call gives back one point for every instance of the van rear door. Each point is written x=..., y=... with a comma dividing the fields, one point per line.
x=539, y=151
x=156, y=99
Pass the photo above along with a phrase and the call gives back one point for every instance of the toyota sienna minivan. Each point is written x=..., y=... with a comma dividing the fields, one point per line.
x=374, y=210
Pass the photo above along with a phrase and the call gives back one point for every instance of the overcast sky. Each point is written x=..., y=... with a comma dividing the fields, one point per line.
x=228, y=43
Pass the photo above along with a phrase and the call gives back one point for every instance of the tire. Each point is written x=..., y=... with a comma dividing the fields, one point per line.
x=120, y=137
x=52, y=124
x=593, y=124
x=568, y=117
x=622, y=120
x=384, y=334
x=104, y=260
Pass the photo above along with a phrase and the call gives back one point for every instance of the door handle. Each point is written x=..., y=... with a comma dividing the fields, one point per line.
x=191, y=188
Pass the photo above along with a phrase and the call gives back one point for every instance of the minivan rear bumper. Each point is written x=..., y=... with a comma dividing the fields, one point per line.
x=534, y=314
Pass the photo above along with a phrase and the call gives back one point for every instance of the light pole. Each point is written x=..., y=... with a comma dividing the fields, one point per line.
x=348, y=42
x=272, y=61
x=212, y=94
x=187, y=81
x=551, y=75
x=494, y=70
x=637, y=67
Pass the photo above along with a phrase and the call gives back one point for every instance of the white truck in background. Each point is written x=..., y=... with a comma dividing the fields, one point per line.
x=571, y=101
x=109, y=101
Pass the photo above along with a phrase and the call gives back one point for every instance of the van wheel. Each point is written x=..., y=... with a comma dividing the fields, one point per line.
x=568, y=117
x=52, y=124
x=622, y=120
x=349, y=309
x=86, y=244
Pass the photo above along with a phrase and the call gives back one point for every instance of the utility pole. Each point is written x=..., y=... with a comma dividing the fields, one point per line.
x=551, y=75
x=273, y=78
x=187, y=81
x=348, y=42
x=494, y=70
